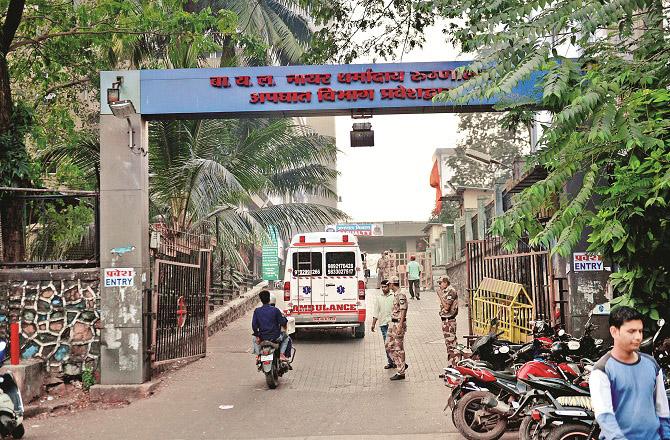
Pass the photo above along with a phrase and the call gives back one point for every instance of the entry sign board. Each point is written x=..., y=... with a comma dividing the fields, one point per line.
x=270, y=258
x=584, y=262
x=315, y=89
x=370, y=229
x=119, y=277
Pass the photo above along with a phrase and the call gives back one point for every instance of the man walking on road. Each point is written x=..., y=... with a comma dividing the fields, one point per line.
x=382, y=314
x=395, y=343
x=448, y=297
x=414, y=270
x=627, y=388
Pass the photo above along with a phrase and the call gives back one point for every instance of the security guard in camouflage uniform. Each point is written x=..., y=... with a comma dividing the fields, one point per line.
x=448, y=310
x=395, y=342
x=382, y=267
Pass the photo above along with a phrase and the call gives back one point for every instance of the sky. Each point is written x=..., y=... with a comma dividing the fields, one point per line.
x=389, y=182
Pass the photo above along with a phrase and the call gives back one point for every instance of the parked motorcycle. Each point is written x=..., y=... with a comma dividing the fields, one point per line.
x=11, y=403
x=564, y=418
x=493, y=400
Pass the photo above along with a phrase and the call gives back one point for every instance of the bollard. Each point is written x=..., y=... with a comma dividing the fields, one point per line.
x=14, y=343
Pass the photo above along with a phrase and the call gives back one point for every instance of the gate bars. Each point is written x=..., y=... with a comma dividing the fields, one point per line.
x=527, y=266
x=179, y=302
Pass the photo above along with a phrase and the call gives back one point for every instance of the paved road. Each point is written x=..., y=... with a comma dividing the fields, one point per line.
x=338, y=390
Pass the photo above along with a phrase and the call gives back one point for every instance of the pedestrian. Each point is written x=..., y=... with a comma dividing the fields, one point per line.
x=627, y=387
x=448, y=297
x=414, y=270
x=382, y=265
x=382, y=315
x=395, y=342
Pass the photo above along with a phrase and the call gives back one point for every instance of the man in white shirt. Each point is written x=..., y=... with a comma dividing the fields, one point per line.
x=382, y=314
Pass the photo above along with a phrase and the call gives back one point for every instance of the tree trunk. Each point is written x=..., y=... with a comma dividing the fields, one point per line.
x=11, y=209
x=13, y=237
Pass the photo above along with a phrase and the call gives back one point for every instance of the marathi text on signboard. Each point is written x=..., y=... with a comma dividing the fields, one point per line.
x=326, y=89
x=585, y=262
x=119, y=277
x=369, y=229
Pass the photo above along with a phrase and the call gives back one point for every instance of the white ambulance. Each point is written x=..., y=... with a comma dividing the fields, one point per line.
x=324, y=282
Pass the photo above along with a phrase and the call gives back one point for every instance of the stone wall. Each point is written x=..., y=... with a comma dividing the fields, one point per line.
x=58, y=311
x=458, y=275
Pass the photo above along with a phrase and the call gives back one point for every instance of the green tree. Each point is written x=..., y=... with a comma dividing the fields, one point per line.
x=609, y=128
x=485, y=133
x=208, y=172
x=283, y=26
x=50, y=56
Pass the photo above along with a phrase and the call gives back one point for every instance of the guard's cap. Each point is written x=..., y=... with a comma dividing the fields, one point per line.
x=445, y=279
x=385, y=282
x=394, y=280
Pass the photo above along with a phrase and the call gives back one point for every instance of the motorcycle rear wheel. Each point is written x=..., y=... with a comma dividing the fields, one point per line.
x=491, y=427
x=529, y=429
x=569, y=431
x=19, y=431
x=272, y=378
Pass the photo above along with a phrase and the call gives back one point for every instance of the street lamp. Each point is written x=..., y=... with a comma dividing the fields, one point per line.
x=123, y=109
x=480, y=157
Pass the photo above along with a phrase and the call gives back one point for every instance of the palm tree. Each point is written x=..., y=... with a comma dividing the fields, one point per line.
x=217, y=174
x=284, y=26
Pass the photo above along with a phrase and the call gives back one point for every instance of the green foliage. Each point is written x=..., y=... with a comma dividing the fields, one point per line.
x=87, y=378
x=484, y=132
x=606, y=148
x=212, y=172
x=59, y=229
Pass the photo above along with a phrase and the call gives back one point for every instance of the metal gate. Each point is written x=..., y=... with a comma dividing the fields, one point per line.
x=399, y=261
x=179, y=303
x=524, y=265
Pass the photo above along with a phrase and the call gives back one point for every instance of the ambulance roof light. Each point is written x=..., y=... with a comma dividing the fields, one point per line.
x=302, y=239
x=345, y=238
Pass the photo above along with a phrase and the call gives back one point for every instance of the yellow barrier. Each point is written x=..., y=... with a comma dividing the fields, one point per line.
x=507, y=301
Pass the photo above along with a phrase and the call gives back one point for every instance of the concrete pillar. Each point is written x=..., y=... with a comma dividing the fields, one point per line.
x=481, y=217
x=124, y=243
x=450, y=244
x=410, y=245
x=499, y=188
x=468, y=225
x=457, y=238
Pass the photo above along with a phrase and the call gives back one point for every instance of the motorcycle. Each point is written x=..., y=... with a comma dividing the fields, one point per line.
x=11, y=403
x=493, y=400
x=565, y=418
x=269, y=360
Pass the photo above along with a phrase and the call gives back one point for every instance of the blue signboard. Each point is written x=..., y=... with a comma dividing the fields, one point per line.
x=315, y=89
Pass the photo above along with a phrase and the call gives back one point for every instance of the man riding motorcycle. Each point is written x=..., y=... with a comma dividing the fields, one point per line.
x=267, y=324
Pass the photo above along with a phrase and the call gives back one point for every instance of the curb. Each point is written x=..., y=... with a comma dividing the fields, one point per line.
x=123, y=393
x=236, y=308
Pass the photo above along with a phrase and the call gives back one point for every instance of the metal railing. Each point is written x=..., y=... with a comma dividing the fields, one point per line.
x=51, y=228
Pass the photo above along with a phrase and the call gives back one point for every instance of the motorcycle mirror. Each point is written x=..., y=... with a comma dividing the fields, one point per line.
x=561, y=332
x=504, y=349
x=661, y=322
